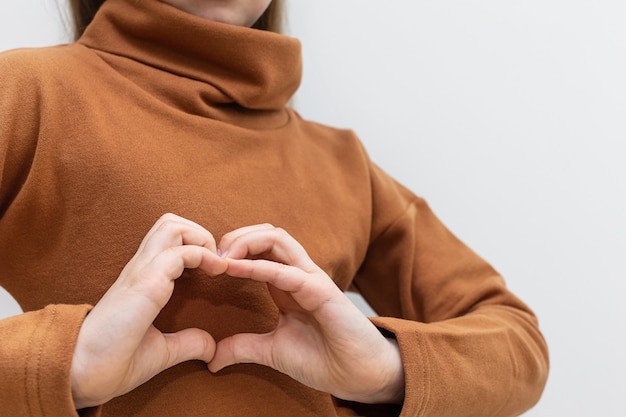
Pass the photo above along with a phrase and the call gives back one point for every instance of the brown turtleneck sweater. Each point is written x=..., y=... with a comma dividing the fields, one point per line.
x=153, y=111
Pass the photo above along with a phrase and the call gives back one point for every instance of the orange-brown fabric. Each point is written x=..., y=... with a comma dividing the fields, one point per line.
x=35, y=358
x=153, y=111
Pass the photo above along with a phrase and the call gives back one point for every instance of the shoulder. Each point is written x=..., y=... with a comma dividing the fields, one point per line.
x=340, y=147
x=34, y=67
x=31, y=78
x=329, y=136
x=34, y=78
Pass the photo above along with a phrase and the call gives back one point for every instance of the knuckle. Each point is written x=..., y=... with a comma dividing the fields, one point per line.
x=168, y=217
x=283, y=271
x=171, y=261
x=169, y=225
x=281, y=232
x=226, y=236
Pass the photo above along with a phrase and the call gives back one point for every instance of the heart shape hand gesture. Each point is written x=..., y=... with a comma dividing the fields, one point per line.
x=321, y=340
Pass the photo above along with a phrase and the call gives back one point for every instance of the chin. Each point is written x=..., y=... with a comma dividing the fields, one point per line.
x=228, y=17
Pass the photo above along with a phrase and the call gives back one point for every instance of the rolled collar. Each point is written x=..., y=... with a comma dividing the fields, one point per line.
x=255, y=69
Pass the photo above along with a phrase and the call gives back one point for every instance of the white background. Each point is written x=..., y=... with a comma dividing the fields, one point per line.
x=510, y=118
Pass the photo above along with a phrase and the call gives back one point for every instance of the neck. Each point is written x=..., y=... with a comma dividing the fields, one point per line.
x=238, y=13
x=238, y=67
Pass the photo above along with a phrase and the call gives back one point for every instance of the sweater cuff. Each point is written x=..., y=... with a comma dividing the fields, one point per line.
x=415, y=363
x=52, y=350
x=39, y=356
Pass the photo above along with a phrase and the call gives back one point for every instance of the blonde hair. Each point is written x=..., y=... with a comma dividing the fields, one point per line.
x=83, y=11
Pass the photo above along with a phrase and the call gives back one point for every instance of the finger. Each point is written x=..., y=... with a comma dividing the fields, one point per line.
x=242, y=348
x=132, y=304
x=229, y=238
x=310, y=291
x=189, y=344
x=275, y=243
x=170, y=263
x=171, y=230
x=146, y=290
x=284, y=277
x=151, y=286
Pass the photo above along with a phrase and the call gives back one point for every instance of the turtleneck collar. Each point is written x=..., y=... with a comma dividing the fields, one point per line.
x=254, y=69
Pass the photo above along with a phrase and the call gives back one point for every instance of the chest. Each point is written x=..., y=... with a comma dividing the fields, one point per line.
x=98, y=183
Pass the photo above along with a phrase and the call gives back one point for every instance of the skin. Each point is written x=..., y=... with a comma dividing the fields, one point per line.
x=119, y=349
x=233, y=12
x=322, y=339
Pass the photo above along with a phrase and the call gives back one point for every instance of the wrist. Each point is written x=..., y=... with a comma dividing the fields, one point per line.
x=392, y=391
x=77, y=398
x=388, y=386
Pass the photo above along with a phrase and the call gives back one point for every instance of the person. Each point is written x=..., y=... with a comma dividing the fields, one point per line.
x=181, y=106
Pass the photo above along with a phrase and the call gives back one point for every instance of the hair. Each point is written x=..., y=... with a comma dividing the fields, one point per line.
x=83, y=11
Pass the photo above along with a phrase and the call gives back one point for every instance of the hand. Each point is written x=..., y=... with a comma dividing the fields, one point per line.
x=118, y=348
x=322, y=339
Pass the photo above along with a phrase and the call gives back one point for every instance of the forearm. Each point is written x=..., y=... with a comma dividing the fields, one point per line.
x=490, y=362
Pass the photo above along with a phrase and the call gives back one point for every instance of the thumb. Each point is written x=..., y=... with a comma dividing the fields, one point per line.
x=189, y=344
x=242, y=348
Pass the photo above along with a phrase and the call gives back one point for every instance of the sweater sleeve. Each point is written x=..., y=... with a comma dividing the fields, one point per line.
x=469, y=346
x=36, y=350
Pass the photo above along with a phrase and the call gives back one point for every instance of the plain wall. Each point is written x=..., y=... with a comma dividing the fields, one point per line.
x=509, y=117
